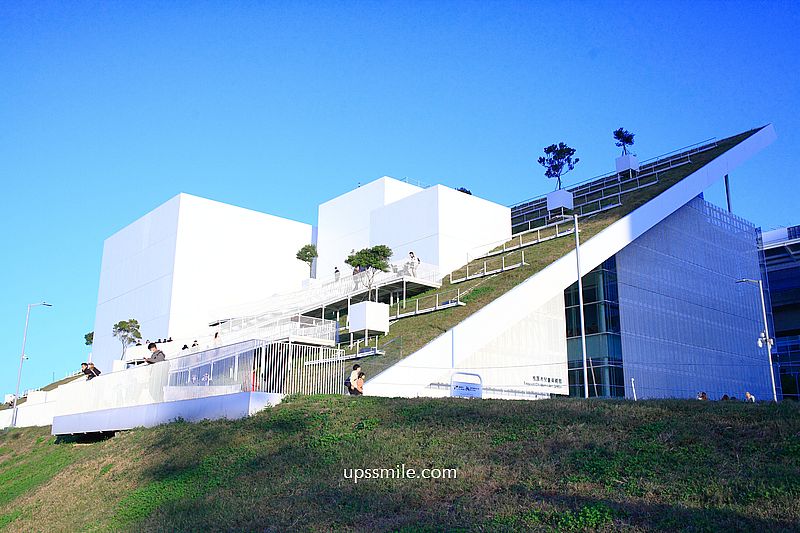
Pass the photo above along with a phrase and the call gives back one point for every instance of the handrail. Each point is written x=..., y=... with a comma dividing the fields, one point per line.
x=679, y=151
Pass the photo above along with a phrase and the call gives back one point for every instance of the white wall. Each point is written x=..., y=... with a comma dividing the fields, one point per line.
x=189, y=261
x=344, y=221
x=228, y=256
x=409, y=224
x=136, y=280
x=441, y=226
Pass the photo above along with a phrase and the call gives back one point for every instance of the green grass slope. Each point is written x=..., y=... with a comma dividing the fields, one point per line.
x=417, y=331
x=550, y=465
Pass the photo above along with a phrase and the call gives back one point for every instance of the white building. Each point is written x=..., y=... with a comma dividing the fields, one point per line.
x=182, y=265
x=442, y=226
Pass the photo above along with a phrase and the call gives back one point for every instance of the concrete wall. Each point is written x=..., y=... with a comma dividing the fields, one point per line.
x=189, y=261
x=229, y=406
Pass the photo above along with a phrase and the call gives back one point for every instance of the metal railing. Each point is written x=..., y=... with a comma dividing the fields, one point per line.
x=427, y=303
x=330, y=290
x=526, y=238
x=593, y=195
x=689, y=150
x=300, y=326
x=489, y=267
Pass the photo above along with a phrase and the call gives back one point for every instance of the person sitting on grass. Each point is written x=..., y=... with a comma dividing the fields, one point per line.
x=350, y=382
x=360, y=384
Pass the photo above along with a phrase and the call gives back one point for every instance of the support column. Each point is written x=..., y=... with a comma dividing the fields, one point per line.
x=728, y=193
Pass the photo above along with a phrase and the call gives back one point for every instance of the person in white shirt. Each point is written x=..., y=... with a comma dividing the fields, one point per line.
x=351, y=381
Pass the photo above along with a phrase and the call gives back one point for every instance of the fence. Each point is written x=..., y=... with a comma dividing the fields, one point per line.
x=426, y=303
x=252, y=365
x=489, y=266
x=327, y=291
x=606, y=191
x=283, y=328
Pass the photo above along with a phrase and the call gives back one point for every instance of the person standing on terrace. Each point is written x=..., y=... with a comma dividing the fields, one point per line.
x=158, y=355
x=413, y=261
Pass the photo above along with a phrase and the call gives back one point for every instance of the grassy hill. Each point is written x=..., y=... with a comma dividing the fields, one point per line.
x=550, y=465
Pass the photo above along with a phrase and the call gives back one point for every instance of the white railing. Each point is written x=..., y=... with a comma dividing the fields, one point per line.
x=298, y=326
x=489, y=267
x=328, y=291
x=524, y=239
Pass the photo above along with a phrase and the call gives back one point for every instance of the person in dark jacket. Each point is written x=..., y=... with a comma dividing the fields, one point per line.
x=93, y=371
x=85, y=369
x=157, y=356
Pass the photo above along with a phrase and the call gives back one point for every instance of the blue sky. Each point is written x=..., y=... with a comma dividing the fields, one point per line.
x=109, y=109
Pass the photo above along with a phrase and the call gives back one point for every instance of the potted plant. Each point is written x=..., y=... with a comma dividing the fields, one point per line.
x=557, y=161
x=627, y=161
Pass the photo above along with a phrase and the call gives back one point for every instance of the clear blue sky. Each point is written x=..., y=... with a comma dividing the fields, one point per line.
x=109, y=109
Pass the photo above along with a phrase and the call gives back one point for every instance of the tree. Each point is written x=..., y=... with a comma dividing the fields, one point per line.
x=464, y=190
x=127, y=331
x=624, y=139
x=557, y=161
x=89, y=337
x=371, y=260
x=307, y=254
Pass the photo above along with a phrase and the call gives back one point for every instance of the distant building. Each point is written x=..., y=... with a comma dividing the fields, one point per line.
x=781, y=248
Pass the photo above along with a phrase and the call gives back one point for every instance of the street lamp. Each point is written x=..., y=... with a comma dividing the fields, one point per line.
x=22, y=358
x=764, y=337
x=580, y=309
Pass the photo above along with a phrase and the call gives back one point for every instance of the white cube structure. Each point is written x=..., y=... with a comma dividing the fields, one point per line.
x=560, y=198
x=372, y=316
x=627, y=162
x=344, y=222
x=176, y=268
x=442, y=226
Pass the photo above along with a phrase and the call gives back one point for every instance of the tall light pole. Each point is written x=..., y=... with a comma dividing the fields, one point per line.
x=766, y=339
x=22, y=358
x=580, y=305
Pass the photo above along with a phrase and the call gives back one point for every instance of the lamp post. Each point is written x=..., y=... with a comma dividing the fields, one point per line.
x=22, y=358
x=766, y=338
x=580, y=306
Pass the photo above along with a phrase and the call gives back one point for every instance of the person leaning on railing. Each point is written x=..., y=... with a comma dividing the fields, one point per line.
x=158, y=355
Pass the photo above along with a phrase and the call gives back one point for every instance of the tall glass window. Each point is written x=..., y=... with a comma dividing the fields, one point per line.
x=603, y=344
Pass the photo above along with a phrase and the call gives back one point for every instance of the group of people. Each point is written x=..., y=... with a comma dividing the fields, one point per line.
x=355, y=382
x=90, y=371
x=411, y=267
x=748, y=397
x=159, y=341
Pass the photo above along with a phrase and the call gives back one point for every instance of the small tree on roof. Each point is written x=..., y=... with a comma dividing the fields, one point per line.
x=557, y=161
x=127, y=331
x=464, y=190
x=89, y=338
x=307, y=254
x=624, y=139
x=371, y=260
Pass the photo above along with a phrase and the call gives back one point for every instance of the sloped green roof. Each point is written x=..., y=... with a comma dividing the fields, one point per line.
x=410, y=334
